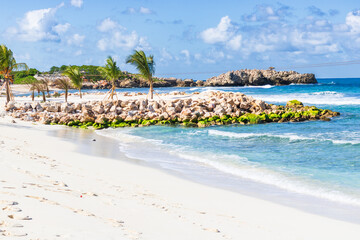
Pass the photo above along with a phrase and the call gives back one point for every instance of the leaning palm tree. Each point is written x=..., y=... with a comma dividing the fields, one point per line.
x=64, y=83
x=34, y=85
x=111, y=72
x=75, y=76
x=145, y=65
x=7, y=65
x=46, y=82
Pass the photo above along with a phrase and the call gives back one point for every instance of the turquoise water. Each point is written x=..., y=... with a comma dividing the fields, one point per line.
x=318, y=159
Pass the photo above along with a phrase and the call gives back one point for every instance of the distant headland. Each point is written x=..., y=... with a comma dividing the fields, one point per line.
x=245, y=77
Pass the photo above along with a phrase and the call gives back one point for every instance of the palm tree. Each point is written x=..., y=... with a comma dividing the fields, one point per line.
x=145, y=65
x=46, y=82
x=111, y=72
x=7, y=65
x=33, y=85
x=75, y=76
x=64, y=83
x=36, y=85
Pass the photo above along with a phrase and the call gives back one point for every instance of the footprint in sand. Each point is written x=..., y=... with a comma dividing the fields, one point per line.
x=12, y=208
x=14, y=234
x=6, y=202
x=19, y=217
x=61, y=184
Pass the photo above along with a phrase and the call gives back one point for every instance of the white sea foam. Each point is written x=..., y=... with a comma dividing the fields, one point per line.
x=327, y=98
x=194, y=89
x=241, y=167
x=291, y=137
x=227, y=163
x=327, y=93
x=264, y=86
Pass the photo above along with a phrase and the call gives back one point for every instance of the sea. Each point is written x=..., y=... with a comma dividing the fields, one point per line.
x=313, y=165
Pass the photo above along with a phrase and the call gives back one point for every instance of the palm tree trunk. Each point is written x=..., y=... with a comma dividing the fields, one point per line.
x=66, y=95
x=33, y=95
x=112, y=90
x=151, y=91
x=7, y=87
x=80, y=92
x=43, y=95
x=48, y=91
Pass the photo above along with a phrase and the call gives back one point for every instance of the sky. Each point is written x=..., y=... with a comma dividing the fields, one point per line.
x=189, y=39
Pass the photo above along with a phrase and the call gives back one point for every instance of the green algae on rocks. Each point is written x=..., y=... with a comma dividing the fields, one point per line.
x=199, y=110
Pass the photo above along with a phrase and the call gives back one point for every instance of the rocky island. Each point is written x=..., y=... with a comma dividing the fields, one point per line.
x=244, y=77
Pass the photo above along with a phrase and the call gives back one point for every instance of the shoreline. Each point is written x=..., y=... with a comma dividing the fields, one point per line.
x=176, y=200
x=199, y=173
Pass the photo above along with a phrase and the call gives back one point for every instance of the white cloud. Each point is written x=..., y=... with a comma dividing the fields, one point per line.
x=22, y=58
x=186, y=54
x=214, y=56
x=224, y=33
x=76, y=39
x=119, y=37
x=61, y=28
x=37, y=25
x=235, y=42
x=264, y=12
x=77, y=3
x=353, y=20
x=143, y=44
x=141, y=10
x=107, y=25
x=197, y=56
x=78, y=53
x=165, y=55
x=144, y=10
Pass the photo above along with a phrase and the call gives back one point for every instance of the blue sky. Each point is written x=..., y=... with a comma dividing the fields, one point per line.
x=194, y=39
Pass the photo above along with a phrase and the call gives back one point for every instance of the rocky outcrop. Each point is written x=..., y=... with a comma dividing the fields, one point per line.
x=212, y=108
x=260, y=77
x=234, y=78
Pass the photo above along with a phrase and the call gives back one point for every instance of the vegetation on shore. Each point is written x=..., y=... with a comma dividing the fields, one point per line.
x=75, y=76
x=111, y=72
x=146, y=67
x=8, y=64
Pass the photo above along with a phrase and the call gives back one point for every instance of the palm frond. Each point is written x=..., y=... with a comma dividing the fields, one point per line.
x=145, y=65
x=75, y=76
x=110, y=71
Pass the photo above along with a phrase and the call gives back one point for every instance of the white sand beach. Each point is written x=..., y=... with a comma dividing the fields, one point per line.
x=49, y=190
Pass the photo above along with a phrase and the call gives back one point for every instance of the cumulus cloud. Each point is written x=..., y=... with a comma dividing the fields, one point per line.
x=76, y=40
x=316, y=11
x=77, y=3
x=268, y=13
x=165, y=56
x=223, y=33
x=145, y=10
x=140, y=10
x=107, y=24
x=235, y=42
x=310, y=38
x=116, y=36
x=353, y=21
x=61, y=28
x=39, y=25
x=186, y=55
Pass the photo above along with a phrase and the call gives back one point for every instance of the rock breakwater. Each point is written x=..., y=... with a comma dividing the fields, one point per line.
x=197, y=110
